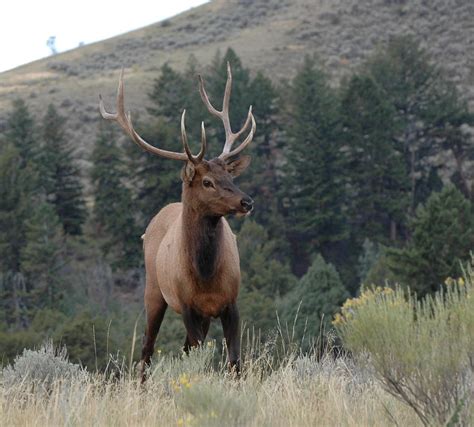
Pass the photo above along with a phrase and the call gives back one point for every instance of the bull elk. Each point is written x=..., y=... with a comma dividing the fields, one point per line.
x=191, y=255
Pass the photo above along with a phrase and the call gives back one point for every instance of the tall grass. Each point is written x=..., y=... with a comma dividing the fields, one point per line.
x=293, y=390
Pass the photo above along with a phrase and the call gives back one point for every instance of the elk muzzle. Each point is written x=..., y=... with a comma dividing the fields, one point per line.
x=247, y=204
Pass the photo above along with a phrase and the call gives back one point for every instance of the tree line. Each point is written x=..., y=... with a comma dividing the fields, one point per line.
x=350, y=184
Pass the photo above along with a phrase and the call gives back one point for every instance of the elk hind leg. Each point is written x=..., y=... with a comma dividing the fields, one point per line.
x=155, y=311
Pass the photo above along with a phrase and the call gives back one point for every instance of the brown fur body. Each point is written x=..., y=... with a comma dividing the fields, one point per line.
x=173, y=246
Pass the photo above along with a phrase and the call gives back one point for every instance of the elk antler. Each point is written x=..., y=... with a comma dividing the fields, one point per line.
x=230, y=137
x=125, y=122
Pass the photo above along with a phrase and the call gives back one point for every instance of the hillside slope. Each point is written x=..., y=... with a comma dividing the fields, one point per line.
x=269, y=35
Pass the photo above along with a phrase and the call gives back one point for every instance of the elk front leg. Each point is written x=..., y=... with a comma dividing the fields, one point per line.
x=231, y=327
x=155, y=311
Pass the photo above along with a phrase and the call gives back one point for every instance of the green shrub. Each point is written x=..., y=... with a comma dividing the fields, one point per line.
x=422, y=352
x=13, y=343
x=86, y=339
x=41, y=368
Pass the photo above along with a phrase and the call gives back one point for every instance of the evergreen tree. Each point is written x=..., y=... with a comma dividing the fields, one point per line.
x=16, y=192
x=60, y=176
x=377, y=174
x=169, y=95
x=425, y=105
x=155, y=181
x=113, y=205
x=313, y=302
x=41, y=257
x=314, y=185
x=261, y=179
x=20, y=133
x=18, y=181
x=264, y=278
x=442, y=238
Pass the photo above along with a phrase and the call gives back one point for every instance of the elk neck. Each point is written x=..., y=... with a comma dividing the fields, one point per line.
x=202, y=240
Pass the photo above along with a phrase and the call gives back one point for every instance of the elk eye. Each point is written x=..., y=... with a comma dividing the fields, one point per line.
x=207, y=183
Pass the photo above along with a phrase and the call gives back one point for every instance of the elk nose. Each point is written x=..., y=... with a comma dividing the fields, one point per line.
x=247, y=203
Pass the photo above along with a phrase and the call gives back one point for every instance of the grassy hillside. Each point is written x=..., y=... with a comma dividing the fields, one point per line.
x=269, y=35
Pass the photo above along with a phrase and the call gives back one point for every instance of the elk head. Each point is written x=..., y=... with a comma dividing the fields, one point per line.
x=207, y=184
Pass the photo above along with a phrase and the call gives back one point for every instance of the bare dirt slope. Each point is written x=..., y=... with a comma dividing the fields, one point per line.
x=269, y=35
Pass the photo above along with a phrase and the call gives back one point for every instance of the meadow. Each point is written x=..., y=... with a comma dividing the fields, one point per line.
x=402, y=361
x=188, y=391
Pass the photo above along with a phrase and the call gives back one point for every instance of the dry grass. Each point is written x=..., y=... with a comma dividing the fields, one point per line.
x=188, y=391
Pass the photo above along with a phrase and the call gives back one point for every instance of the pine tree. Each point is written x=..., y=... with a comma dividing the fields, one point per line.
x=261, y=179
x=312, y=303
x=426, y=110
x=169, y=95
x=265, y=279
x=442, y=238
x=21, y=133
x=60, y=177
x=18, y=181
x=377, y=174
x=113, y=206
x=314, y=185
x=42, y=257
x=155, y=181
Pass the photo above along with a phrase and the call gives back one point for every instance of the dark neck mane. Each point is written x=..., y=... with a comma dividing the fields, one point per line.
x=202, y=239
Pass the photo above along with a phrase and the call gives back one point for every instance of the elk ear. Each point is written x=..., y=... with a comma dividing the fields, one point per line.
x=236, y=167
x=188, y=172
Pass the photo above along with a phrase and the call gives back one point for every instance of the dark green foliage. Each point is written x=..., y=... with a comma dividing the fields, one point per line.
x=169, y=95
x=309, y=307
x=60, y=176
x=261, y=179
x=113, y=206
x=314, y=182
x=427, y=110
x=21, y=133
x=42, y=257
x=17, y=182
x=264, y=278
x=13, y=343
x=261, y=269
x=376, y=169
x=13, y=300
x=86, y=340
x=155, y=181
x=442, y=238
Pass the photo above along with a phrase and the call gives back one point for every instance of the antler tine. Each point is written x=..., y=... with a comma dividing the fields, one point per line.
x=203, y=142
x=227, y=92
x=184, y=137
x=247, y=141
x=230, y=136
x=205, y=99
x=125, y=122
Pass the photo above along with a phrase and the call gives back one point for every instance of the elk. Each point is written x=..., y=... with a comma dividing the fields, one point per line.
x=191, y=256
